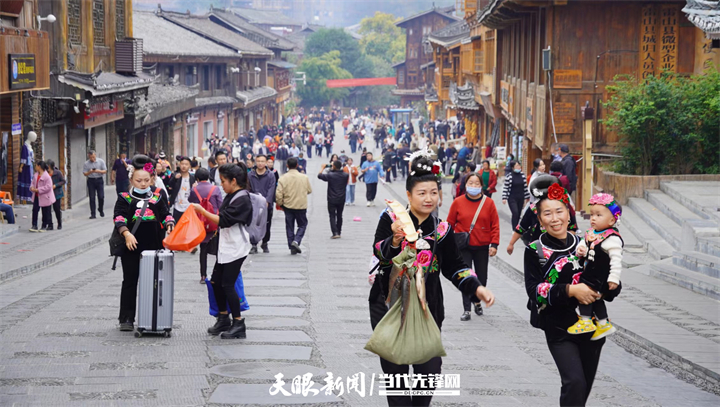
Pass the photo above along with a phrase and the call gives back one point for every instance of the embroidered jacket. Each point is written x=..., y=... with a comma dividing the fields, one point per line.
x=154, y=220
x=604, y=258
x=447, y=261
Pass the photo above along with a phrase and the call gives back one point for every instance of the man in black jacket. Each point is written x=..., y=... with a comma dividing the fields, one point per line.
x=569, y=165
x=263, y=182
x=337, y=181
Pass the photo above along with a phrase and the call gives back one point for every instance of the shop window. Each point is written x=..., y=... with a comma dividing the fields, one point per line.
x=401, y=77
x=218, y=77
x=206, y=77
x=190, y=75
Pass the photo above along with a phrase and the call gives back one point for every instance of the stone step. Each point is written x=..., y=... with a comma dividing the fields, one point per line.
x=679, y=192
x=682, y=277
x=658, y=221
x=709, y=245
x=699, y=262
x=669, y=206
x=655, y=245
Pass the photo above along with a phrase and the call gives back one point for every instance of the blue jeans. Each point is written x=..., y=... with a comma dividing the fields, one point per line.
x=350, y=194
x=353, y=146
x=7, y=210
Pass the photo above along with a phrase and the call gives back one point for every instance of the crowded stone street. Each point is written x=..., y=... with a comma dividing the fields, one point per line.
x=308, y=314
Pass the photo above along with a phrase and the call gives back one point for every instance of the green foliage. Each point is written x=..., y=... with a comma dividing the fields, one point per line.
x=336, y=39
x=317, y=71
x=382, y=38
x=377, y=95
x=667, y=124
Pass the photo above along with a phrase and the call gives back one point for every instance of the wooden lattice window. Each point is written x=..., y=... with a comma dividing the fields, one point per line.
x=74, y=24
x=120, y=19
x=99, y=22
x=489, y=55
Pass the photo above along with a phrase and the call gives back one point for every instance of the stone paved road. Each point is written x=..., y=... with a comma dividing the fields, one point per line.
x=308, y=314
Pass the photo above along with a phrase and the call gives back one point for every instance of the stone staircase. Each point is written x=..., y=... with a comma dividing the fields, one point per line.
x=678, y=227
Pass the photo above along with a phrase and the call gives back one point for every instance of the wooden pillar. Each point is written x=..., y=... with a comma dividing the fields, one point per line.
x=585, y=192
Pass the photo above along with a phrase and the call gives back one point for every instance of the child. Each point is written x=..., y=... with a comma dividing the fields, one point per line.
x=603, y=265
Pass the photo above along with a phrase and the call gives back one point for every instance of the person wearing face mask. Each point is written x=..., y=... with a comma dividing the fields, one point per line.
x=515, y=191
x=475, y=214
x=155, y=219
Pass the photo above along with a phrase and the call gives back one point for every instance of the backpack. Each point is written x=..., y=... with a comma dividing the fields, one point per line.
x=311, y=139
x=258, y=227
x=205, y=203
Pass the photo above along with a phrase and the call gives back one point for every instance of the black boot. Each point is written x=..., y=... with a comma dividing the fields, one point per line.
x=222, y=324
x=237, y=330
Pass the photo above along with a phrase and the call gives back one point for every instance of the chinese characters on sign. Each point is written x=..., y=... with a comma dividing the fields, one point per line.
x=22, y=71
x=564, y=117
x=529, y=116
x=504, y=95
x=669, y=30
x=422, y=385
x=567, y=79
x=648, y=41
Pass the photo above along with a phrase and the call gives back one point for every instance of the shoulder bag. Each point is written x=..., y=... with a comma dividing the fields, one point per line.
x=117, y=241
x=462, y=239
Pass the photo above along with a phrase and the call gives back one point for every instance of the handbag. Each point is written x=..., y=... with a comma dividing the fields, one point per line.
x=117, y=241
x=462, y=239
x=212, y=245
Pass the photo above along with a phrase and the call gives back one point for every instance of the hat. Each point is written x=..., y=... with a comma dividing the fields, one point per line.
x=564, y=148
x=162, y=155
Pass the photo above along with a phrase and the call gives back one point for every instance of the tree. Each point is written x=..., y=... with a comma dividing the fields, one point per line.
x=382, y=38
x=317, y=71
x=377, y=95
x=336, y=39
x=667, y=124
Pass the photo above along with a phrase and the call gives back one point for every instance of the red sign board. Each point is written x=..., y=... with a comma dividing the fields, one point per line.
x=98, y=114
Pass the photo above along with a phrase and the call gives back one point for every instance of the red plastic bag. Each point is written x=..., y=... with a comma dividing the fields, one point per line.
x=188, y=233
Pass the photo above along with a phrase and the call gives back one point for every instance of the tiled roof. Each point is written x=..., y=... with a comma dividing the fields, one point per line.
x=267, y=17
x=281, y=64
x=443, y=11
x=162, y=95
x=253, y=95
x=162, y=37
x=705, y=15
x=408, y=92
x=451, y=34
x=215, y=100
x=104, y=83
x=256, y=34
x=203, y=26
x=399, y=64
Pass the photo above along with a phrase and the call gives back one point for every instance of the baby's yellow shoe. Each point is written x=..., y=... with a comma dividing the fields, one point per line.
x=603, y=330
x=583, y=326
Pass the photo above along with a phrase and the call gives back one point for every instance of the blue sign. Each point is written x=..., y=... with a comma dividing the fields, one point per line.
x=16, y=129
x=15, y=69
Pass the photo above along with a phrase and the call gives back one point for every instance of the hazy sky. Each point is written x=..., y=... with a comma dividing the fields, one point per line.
x=350, y=11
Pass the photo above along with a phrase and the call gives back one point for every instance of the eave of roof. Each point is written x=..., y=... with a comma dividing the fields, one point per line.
x=106, y=82
x=442, y=11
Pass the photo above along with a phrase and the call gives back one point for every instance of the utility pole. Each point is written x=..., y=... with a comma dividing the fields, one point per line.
x=588, y=115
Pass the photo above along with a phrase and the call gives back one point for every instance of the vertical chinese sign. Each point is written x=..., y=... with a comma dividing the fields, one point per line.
x=669, y=41
x=648, y=41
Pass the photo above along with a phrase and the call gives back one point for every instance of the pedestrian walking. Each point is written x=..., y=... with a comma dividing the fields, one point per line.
x=371, y=169
x=337, y=181
x=353, y=172
x=119, y=174
x=95, y=169
x=180, y=186
x=149, y=233
x=489, y=179
x=515, y=191
x=58, y=189
x=475, y=214
x=291, y=195
x=235, y=214
x=422, y=191
x=389, y=164
x=42, y=197
x=263, y=182
x=569, y=167
x=553, y=297
x=208, y=196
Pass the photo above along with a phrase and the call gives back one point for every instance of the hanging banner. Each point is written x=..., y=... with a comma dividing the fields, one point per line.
x=350, y=83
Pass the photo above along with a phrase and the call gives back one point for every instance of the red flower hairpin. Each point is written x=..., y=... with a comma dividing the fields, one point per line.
x=148, y=167
x=558, y=193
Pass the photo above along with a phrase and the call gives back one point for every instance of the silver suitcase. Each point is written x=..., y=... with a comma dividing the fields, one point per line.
x=155, y=293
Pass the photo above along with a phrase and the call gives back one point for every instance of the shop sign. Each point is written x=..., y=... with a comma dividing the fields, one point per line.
x=565, y=114
x=529, y=113
x=100, y=113
x=504, y=95
x=567, y=79
x=16, y=129
x=22, y=71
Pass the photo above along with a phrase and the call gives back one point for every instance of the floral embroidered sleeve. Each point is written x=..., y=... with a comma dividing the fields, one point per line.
x=122, y=208
x=163, y=209
x=382, y=248
x=527, y=220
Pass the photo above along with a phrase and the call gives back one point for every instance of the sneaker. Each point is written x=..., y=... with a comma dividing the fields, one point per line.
x=296, y=245
x=222, y=324
x=478, y=308
x=41, y=230
x=293, y=251
x=368, y=204
x=253, y=250
x=102, y=214
x=48, y=228
x=126, y=326
x=34, y=229
x=372, y=203
x=265, y=248
x=581, y=327
x=465, y=316
x=92, y=217
x=603, y=330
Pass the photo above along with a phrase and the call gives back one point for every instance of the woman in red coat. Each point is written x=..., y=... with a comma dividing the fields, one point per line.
x=43, y=197
x=489, y=179
x=484, y=233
